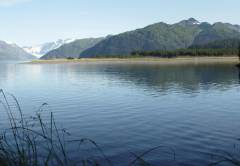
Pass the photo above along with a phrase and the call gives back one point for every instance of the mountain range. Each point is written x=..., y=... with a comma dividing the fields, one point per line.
x=10, y=51
x=162, y=36
x=42, y=49
x=158, y=36
x=72, y=49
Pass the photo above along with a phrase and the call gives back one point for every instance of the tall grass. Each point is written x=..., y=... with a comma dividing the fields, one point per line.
x=35, y=141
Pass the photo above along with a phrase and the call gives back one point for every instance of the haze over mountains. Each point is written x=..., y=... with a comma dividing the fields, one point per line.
x=42, y=49
x=159, y=36
x=9, y=51
x=73, y=49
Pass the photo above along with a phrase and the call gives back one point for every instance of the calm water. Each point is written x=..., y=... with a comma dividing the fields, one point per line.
x=193, y=109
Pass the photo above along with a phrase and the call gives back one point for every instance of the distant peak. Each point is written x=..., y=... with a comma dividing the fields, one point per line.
x=191, y=21
x=10, y=43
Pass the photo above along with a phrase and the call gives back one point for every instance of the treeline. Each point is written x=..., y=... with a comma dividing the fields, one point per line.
x=225, y=47
x=176, y=53
x=187, y=52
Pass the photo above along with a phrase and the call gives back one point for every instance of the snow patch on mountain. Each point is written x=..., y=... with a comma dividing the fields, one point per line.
x=42, y=49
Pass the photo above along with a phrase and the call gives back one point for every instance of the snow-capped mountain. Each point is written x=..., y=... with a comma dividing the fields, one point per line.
x=190, y=21
x=42, y=49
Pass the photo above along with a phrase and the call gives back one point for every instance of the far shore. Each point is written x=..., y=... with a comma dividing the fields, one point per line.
x=143, y=60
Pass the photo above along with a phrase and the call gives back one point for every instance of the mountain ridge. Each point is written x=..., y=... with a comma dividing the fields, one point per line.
x=163, y=36
x=42, y=49
x=72, y=49
x=10, y=51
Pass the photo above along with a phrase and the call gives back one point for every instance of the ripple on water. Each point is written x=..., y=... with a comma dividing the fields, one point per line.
x=132, y=108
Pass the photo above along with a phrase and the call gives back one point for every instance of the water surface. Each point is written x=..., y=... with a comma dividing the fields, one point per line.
x=193, y=109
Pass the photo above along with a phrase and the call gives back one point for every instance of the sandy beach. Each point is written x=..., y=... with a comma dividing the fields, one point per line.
x=167, y=61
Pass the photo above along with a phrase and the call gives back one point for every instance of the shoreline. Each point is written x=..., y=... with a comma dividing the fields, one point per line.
x=147, y=60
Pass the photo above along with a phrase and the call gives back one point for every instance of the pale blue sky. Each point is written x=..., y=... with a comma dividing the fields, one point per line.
x=30, y=22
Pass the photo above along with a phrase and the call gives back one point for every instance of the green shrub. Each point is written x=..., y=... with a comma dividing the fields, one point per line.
x=70, y=58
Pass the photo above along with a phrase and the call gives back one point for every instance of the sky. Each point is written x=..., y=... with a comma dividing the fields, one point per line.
x=32, y=22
